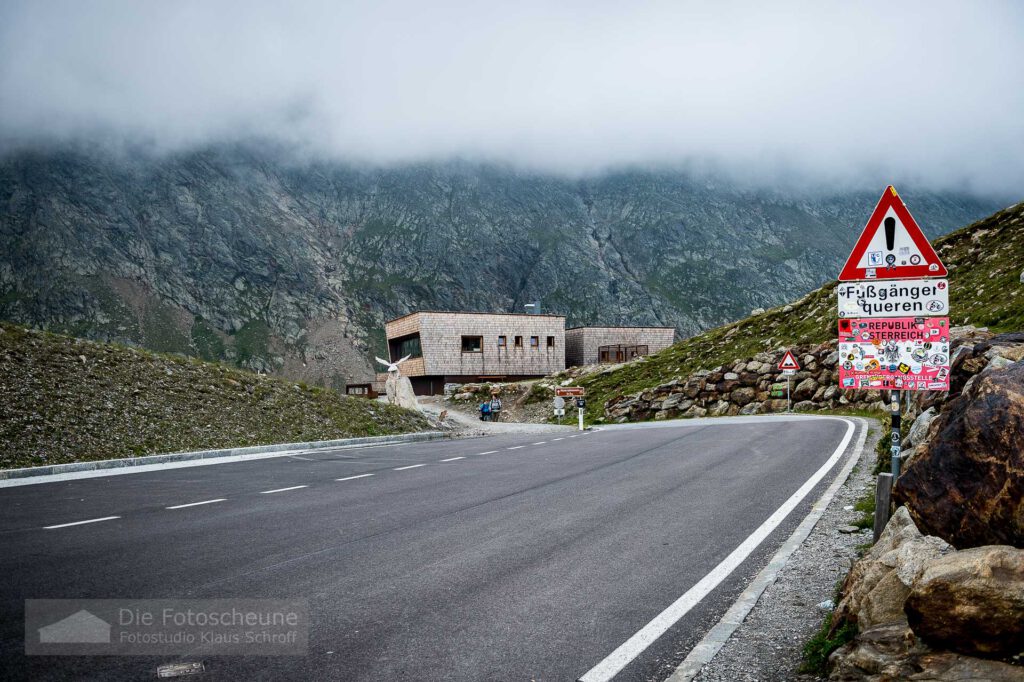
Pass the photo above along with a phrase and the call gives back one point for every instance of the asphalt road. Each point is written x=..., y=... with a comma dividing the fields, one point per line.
x=512, y=557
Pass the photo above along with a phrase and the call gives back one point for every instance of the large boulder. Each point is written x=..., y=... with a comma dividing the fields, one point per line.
x=967, y=484
x=878, y=585
x=972, y=602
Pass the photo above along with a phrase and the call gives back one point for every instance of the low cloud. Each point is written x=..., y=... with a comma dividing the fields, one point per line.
x=931, y=92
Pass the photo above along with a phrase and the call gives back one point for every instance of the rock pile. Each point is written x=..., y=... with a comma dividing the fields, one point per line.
x=925, y=611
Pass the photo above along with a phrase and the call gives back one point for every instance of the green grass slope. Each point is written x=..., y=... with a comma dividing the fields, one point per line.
x=985, y=261
x=68, y=400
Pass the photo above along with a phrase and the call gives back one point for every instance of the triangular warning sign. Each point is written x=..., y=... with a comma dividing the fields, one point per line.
x=892, y=246
x=789, y=361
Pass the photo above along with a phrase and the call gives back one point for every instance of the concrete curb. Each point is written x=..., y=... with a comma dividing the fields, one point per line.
x=130, y=462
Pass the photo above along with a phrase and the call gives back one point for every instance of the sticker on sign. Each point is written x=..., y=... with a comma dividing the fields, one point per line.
x=894, y=298
x=900, y=353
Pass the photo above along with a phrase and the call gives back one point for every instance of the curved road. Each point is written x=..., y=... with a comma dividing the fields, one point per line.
x=510, y=557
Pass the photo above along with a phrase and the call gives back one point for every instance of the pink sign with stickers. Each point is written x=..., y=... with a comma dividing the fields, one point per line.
x=894, y=353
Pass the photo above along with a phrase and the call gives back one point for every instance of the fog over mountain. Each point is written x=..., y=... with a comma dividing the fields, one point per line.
x=265, y=183
x=856, y=93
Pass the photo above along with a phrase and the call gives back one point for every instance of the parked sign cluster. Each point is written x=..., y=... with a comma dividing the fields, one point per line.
x=893, y=329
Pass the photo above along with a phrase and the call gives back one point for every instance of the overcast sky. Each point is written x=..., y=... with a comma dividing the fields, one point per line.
x=927, y=91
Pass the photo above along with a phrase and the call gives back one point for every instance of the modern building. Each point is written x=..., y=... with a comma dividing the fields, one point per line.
x=593, y=345
x=452, y=347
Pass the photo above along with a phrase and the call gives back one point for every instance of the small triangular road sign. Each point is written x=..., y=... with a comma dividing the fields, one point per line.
x=892, y=246
x=789, y=361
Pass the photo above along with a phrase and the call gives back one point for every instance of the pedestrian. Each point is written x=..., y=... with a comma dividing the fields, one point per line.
x=485, y=411
x=495, y=408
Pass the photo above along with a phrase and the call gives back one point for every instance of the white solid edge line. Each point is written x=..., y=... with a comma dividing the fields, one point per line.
x=489, y=452
x=648, y=634
x=196, y=504
x=516, y=447
x=79, y=523
x=715, y=639
x=349, y=478
x=452, y=459
x=281, y=490
x=411, y=466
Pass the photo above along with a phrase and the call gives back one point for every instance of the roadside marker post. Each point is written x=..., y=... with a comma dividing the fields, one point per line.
x=581, y=403
x=789, y=366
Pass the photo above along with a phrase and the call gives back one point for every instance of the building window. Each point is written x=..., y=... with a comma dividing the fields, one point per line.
x=519, y=342
x=472, y=344
x=405, y=345
x=534, y=342
x=551, y=342
x=502, y=341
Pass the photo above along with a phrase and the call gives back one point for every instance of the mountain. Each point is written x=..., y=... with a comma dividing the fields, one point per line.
x=245, y=255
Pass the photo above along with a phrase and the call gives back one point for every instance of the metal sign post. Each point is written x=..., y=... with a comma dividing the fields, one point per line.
x=895, y=450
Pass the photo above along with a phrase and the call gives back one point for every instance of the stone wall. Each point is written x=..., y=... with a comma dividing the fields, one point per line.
x=745, y=387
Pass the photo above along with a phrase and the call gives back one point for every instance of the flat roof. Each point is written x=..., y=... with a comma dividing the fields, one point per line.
x=469, y=312
x=618, y=326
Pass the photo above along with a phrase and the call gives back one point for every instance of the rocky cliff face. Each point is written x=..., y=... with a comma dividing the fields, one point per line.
x=240, y=255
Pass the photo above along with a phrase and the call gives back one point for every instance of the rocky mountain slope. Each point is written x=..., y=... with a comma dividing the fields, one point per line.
x=68, y=400
x=242, y=255
x=986, y=264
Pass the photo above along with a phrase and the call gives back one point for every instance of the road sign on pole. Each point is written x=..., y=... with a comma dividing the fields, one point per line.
x=892, y=246
x=570, y=391
x=789, y=366
x=559, y=408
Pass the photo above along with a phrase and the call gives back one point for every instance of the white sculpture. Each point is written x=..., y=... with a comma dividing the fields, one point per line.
x=398, y=387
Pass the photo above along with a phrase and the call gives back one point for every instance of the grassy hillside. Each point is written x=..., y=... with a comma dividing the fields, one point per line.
x=68, y=400
x=985, y=260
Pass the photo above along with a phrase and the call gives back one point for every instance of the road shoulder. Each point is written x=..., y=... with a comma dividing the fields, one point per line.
x=768, y=643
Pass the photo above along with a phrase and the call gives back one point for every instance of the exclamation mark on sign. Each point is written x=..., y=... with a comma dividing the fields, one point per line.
x=890, y=233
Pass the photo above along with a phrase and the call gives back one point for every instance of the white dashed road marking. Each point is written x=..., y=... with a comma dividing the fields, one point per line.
x=79, y=523
x=281, y=490
x=516, y=447
x=541, y=443
x=489, y=452
x=349, y=478
x=559, y=439
x=196, y=504
x=411, y=466
x=452, y=459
